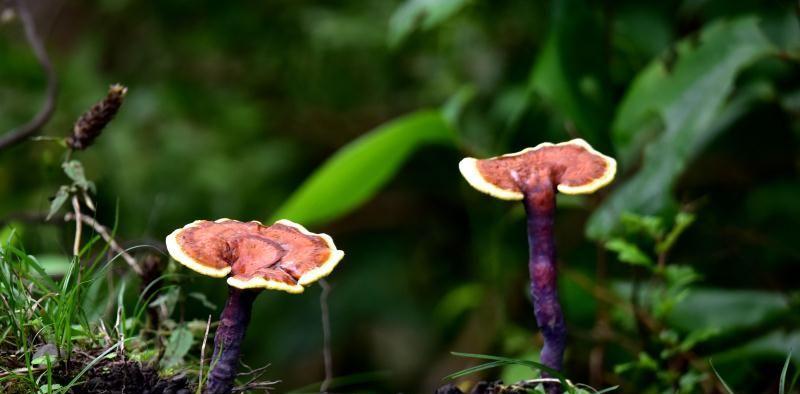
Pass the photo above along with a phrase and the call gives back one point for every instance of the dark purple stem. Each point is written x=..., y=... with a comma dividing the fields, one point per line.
x=540, y=205
x=228, y=340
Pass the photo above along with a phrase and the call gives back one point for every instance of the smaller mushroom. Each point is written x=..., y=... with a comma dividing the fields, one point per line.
x=533, y=175
x=284, y=256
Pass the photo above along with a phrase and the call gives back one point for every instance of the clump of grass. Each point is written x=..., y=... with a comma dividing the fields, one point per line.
x=57, y=331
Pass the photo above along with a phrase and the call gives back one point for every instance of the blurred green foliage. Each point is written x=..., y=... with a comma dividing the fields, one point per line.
x=357, y=172
x=350, y=116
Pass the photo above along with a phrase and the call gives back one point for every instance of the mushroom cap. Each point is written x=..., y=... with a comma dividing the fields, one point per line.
x=284, y=256
x=575, y=166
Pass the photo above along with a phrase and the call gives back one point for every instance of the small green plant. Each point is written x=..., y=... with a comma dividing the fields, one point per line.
x=71, y=329
x=46, y=318
x=657, y=287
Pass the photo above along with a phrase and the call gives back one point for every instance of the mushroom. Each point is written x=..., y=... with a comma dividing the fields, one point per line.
x=533, y=175
x=284, y=256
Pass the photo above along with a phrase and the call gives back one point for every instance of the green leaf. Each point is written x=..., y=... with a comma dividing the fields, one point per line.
x=357, y=171
x=570, y=73
x=774, y=345
x=180, y=341
x=682, y=221
x=628, y=252
x=694, y=338
x=458, y=301
x=43, y=360
x=689, y=101
x=58, y=201
x=678, y=276
x=166, y=298
x=690, y=92
x=644, y=362
x=453, y=108
x=74, y=170
x=144, y=355
x=203, y=300
x=50, y=388
x=53, y=264
x=691, y=381
x=653, y=226
x=423, y=14
x=725, y=309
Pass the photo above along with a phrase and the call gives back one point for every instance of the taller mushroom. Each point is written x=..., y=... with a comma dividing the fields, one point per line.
x=284, y=256
x=533, y=175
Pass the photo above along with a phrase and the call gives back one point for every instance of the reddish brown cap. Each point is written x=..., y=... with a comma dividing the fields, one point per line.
x=284, y=256
x=576, y=167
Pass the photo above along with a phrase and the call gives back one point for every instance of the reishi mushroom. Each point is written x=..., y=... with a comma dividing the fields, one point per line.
x=284, y=256
x=533, y=175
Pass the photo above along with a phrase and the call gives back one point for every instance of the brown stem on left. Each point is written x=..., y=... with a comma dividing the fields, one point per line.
x=33, y=126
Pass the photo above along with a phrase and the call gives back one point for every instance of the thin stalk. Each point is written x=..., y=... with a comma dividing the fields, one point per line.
x=326, y=335
x=540, y=204
x=228, y=340
x=76, y=207
x=38, y=121
x=203, y=355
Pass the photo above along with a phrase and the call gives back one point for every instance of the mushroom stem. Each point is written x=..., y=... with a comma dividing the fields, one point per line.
x=540, y=204
x=228, y=340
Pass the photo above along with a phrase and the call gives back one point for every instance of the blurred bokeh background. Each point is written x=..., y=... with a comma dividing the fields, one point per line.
x=234, y=108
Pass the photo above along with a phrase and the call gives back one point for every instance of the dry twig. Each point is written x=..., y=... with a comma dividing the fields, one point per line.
x=203, y=354
x=254, y=383
x=76, y=207
x=265, y=386
x=46, y=111
x=112, y=243
x=326, y=335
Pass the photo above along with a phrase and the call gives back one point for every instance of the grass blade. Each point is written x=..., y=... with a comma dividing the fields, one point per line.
x=533, y=364
x=725, y=385
x=477, y=368
x=782, y=387
x=92, y=363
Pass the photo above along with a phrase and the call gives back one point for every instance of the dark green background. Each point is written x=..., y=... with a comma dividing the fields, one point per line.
x=233, y=105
